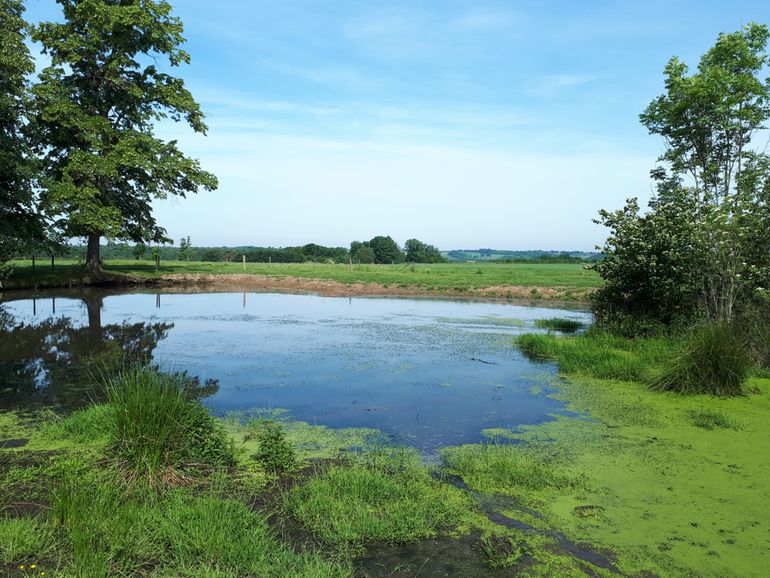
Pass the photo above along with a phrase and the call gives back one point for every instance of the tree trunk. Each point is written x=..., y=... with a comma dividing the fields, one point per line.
x=93, y=260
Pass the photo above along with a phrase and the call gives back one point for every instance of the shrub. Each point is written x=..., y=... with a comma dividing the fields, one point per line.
x=275, y=454
x=714, y=361
x=157, y=431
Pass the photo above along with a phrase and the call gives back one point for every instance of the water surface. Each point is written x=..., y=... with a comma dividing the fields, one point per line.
x=426, y=372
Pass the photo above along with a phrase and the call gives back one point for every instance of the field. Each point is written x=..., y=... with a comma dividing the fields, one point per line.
x=568, y=282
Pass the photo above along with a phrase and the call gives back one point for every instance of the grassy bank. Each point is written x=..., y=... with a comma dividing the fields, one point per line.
x=635, y=483
x=555, y=281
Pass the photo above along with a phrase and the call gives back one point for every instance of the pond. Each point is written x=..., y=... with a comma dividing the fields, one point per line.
x=426, y=372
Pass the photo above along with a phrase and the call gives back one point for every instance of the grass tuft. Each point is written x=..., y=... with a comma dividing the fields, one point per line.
x=708, y=419
x=559, y=324
x=158, y=432
x=714, y=361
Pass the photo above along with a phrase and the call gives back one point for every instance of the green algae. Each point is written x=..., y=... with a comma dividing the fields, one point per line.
x=664, y=495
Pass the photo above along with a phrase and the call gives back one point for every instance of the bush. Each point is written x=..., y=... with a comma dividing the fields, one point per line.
x=714, y=361
x=157, y=431
x=275, y=454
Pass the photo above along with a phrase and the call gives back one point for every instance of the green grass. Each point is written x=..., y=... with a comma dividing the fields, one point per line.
x=714, y=361
x=710, y=419
x=563, y=281
x=157, y=434
x=377, y=497
x=601, y=355
x=559, y=324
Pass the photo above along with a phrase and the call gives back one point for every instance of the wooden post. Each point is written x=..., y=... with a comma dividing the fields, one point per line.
x=52, y=267
x=33, y=262
x=269, y=260
x=350, y=265
x=244, y=266
x=157, y=263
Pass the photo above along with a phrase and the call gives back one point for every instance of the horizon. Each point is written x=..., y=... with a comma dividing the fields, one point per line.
x=457, y=123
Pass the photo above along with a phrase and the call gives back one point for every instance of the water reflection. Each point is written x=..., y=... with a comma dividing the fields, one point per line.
x=427, y=372
x=56, y=361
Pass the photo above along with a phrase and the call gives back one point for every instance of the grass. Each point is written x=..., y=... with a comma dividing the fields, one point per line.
x=713, y=361
x=377, y=497
x=157, y=434
x=562, y=281
x=559, y=324
x=600, y=355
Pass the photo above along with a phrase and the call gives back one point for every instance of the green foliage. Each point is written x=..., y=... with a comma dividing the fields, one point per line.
x=559, y=324
x=505, y=469
x=25, y=539
x=419, y=252
x=95, y=106
x=600, y=354
x=19, y=223
x=704, y=245
x=709, y=419
x=275, y=453
x=384, y=496
x=503, y=551
x=386, y=250
x=158, y=432
x=714, y=361
x=86, y=425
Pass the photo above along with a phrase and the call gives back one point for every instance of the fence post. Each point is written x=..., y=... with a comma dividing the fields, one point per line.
x=244, y=262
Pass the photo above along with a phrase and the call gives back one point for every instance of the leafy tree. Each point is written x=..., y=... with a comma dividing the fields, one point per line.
x=386, y=250
x=95, y=108
x=184, y=248
x=704, y=245
x=140, y=250
x=419, y=252
x=364, y=254
x=19, y=223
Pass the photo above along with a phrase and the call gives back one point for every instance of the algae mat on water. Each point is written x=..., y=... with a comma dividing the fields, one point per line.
x=670, y=485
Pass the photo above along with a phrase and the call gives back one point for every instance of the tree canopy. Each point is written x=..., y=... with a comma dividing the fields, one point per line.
x=95, y=109
x=19, y=222
x=704, y=244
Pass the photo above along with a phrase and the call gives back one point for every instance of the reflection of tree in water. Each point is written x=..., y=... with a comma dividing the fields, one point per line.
x=56, y=362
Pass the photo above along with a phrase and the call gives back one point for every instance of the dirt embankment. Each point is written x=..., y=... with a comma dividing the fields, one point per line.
x=331, y=288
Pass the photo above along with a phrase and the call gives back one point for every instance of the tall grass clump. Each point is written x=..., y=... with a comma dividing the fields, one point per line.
x=714, y=361
x=559, y=324
x=158, y=433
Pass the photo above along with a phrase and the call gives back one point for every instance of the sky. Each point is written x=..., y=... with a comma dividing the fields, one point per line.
x=465, y=124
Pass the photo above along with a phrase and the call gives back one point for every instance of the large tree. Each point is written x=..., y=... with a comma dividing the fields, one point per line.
x=18, y=222
x=704, y=245
x=96, y=106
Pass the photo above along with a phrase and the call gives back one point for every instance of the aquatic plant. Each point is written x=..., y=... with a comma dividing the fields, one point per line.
x=275, y=453
x=157, y=432
x=714, y=361
x=559, y=324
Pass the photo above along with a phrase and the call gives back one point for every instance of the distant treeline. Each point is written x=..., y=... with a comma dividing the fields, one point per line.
x=380, y=249
x=533, y=256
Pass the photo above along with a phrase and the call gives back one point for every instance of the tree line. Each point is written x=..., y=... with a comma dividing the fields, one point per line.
x=380, y=249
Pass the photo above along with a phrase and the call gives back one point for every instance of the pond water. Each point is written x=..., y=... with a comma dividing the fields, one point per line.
x=425, y=372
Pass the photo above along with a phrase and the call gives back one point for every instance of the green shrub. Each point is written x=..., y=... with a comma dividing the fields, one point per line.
x=714, y=361
x=275, y=453
x=158, y=432
x=559, y=324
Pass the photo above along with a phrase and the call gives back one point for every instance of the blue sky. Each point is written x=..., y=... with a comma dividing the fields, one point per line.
x=464, y=124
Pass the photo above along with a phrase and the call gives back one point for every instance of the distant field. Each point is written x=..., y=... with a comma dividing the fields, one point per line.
x=563, y=281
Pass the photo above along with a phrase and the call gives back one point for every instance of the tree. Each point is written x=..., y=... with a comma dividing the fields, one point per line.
x=19, y=223
x=419, y=252
x=184, y=248
x=704, y=244
x=386, y=250
x=140, y=250
x=95, y=107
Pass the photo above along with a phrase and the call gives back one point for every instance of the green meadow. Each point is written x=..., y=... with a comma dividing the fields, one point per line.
x=563, y=281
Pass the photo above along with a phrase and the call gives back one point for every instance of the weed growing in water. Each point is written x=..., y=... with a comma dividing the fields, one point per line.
x=559, y=324
x=157, y=432
x=275, y=453
x=714, y=361
x=707, y=419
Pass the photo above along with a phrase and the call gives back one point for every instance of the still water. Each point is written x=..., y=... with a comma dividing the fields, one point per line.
x=425, y=372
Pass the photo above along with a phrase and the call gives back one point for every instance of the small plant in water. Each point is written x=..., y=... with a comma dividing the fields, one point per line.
x=502, y=551
x=275, y=454
x=714, y=420
x=559, y=324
